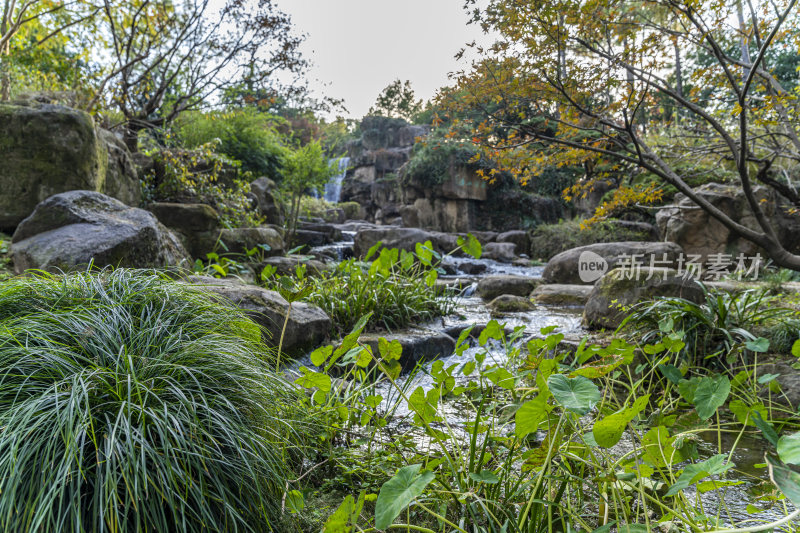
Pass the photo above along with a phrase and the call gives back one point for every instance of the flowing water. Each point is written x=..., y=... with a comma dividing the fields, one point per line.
x=731, y=503
x=333, y=189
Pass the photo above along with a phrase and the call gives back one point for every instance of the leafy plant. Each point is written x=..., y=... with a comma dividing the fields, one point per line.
x=131, y=402
x=717, y=326
x=396, y=289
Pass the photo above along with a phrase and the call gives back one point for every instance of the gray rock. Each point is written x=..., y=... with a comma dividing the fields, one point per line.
x=558, y=294
x=47, y=149
x=519, y=238
x=308, y=326
x=616, y=291
x=390, y=237
x=122, y=177
x=563, y=268
x=240, y=240
x=419, y=345
x=72, y=229
x=508, y=303
x=491, y=287
x=331, y=232
x=287, y=265
x=499, y=251
x=699, y=233
x=263, y=190
x=197, y=224
x=310, y=238
x=472, y=267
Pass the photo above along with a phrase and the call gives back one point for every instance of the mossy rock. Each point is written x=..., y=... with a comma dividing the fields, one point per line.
x=47, y=149
x=616, y=291
x=509, y=303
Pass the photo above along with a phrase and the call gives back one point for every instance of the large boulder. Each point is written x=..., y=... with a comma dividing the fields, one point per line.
x=558, y=294
x=596, y=259
x=198, y=225
x=390, y=237
x=287, y=265
x=241, y=240
x=47, y=149
x=701, y=234
x=263, y=190
x=308, y=325
x=491, y=287
x=499, y=251
x=519, y=238
x=72, y=229
x=619, y=289
x=122, y=177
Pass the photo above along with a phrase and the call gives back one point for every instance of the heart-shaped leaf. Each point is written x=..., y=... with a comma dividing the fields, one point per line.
x=397, y=493
x=577, y=394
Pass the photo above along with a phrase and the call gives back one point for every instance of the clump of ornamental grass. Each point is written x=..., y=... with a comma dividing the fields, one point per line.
x=130, y=402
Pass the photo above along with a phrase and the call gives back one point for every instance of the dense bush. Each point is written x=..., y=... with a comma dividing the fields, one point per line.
x=396, y=288
x=201, y=175
x=129, y=402
x=246, y=135
x=548, y=240
x=724, y=325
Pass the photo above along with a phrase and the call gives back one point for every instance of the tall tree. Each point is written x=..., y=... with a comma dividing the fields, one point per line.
x=51, y=17
x=171, y=56
x=752, y=125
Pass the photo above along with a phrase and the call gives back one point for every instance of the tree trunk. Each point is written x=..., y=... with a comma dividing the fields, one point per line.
x=678, y=79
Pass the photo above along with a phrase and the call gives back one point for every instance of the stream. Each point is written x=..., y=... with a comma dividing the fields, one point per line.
x=471, y=310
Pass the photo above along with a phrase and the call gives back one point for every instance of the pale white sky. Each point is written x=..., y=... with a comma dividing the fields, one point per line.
x=358, y=47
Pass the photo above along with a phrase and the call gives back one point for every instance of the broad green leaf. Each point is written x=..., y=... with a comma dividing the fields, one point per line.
x=501, y=377
x=311, y=379
x=671, y=373
x=576, y=394
x=295, y=501
x=796, y=348
x=785, y=479
x=372, y=250
x=695, y=472
x=471, y=246
x=321, y=354
x=760, y=345
x=609, y=430
x=493, y=330
x=397, y=493
x=711, y=394
x=789, y=448
x=658, y=448
x=530, y=415
x=390, y=350
x=431, y=277
x=744, y=412
x=486, y=476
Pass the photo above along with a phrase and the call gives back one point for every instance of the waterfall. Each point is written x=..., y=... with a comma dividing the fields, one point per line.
x=333, y=189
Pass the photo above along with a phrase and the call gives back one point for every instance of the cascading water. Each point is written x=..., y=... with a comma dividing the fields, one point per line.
x=333, y=189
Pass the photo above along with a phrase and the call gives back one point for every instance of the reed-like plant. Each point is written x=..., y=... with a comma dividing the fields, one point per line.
x=131, y=402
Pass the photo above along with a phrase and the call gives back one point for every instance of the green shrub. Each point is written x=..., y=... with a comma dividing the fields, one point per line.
x=245, y=135
x=721, y=326
x=548, y=240
x=396, y=288
x=130, y=402
x=6, y=270
x=205, y=176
